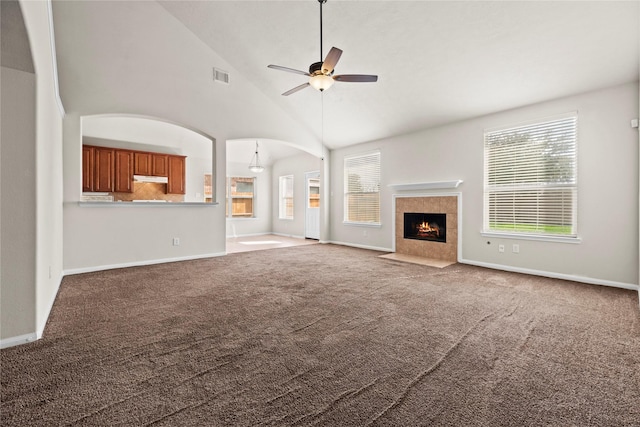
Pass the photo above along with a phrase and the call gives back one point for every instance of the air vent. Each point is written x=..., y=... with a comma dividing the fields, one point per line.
x=220, y=76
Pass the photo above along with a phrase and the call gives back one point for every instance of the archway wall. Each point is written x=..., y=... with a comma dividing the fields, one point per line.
x=160, y=71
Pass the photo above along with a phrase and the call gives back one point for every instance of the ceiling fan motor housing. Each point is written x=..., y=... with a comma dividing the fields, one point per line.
x=315, y=69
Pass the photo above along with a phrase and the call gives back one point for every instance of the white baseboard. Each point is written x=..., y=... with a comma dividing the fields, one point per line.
x=574, y=278
x=139, y=263
x=355, y=245
x=19, y=340
x=552, y=275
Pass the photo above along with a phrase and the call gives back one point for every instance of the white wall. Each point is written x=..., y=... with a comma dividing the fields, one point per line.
x=18, y=208
x=607, y=195
x=32, y=206
x=296, y=166
x=161, y=71
x=261, y=223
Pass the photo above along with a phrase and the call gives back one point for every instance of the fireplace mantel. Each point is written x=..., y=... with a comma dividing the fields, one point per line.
x=434, y=185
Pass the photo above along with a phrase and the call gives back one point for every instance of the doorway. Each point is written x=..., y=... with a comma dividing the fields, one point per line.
x=312, y=205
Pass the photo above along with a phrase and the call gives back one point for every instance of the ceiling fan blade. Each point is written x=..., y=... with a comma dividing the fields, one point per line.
x=295, y=89
x=331, y=60
x=356, y=78
x=289, y=70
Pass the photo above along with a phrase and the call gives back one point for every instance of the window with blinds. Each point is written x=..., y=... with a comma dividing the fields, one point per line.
x=530, y=179
x=362, y=188
x=286, y=197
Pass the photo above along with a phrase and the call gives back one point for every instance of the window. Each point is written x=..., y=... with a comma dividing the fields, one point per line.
x=530, y=182
x=286, y=197
x=240, y=196
x=362, y=188
x=314, y=193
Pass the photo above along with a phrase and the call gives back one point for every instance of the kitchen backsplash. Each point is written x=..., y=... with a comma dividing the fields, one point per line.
x=148, y=191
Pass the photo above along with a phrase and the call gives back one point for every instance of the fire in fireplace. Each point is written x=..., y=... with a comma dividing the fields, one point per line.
x=425, y=226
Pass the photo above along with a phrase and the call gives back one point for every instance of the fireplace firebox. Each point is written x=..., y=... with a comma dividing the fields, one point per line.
x=425, y=226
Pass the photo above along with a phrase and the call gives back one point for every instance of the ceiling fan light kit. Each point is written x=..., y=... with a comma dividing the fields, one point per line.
x=321, y=73
x=321, y=82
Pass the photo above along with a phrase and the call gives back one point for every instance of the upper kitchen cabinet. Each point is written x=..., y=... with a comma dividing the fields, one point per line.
x=104, y=164
x=150, y=164
x=142, y=163
x=87, y=168
x=123, y=171
x=177, y=175
x=106, y=170
x=159, y=165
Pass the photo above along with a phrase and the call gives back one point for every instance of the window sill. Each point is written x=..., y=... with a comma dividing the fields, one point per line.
x=555, y=239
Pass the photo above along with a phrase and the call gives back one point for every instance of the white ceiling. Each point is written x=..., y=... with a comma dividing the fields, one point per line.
x=242, y=151
x=437, y=62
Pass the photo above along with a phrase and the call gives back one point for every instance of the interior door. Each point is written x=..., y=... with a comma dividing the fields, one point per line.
x=312, y=206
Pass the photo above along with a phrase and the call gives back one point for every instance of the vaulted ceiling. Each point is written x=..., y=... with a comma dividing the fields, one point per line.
x=437, y=62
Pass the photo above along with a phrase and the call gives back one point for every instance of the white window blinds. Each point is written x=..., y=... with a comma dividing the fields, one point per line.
x=531, y=178
x=362, y=188
x=286, y=197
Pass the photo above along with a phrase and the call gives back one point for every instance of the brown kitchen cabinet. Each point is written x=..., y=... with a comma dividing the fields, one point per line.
x=103, y=164
x=111, y=170
x=142, y=163
x=160, y=165
x=123, y=175
x=176, y=184
x=150, y=164
x=88, y=168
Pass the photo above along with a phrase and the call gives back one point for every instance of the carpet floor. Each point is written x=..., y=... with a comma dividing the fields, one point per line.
x=327, y=335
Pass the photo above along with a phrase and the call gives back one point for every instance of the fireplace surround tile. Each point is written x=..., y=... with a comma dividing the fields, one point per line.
x=423, y=248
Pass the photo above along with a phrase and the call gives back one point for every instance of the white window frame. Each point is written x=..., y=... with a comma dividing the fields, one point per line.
x=523, y=197
x=358, y=165
x=229, y=198
x=285, y=195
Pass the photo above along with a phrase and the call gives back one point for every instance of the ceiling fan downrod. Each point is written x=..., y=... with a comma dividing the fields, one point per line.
x=321, y=3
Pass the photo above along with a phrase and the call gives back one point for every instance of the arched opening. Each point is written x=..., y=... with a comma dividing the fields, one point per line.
x=272, y=202
x=127, y=158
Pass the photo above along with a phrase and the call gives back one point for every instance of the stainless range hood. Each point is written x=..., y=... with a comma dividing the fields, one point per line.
x=145, y=178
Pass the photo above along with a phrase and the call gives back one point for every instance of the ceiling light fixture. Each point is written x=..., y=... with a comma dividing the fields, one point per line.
x=321, y=82
x=255, y=165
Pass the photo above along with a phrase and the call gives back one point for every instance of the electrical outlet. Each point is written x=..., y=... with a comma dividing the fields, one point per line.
x=176, y=241
x=516, y=249
x=500, y=248
x=364, y=233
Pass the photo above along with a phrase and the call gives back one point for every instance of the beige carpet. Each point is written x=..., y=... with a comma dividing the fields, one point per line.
x=330, y=336
x=431, y=262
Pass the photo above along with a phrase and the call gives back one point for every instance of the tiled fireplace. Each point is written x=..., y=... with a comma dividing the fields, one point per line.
x=427, y=227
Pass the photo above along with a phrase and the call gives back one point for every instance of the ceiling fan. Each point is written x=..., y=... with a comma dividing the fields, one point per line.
x=321, y=73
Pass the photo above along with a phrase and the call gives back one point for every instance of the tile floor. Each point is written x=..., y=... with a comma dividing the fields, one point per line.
x=262, y=242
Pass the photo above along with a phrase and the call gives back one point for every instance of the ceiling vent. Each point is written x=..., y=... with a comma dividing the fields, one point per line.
x=220, y=76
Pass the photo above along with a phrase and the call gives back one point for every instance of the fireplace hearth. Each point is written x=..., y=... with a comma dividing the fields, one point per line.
x=425, y=226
